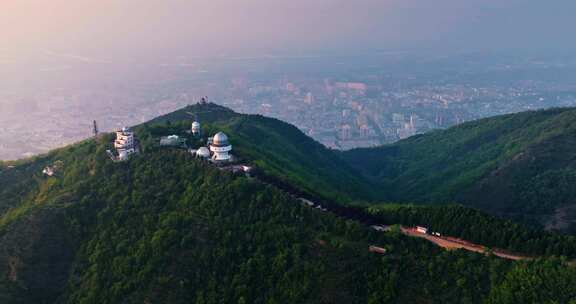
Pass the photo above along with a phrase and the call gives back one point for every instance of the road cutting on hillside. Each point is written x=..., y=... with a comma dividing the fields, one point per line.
x=451, y=243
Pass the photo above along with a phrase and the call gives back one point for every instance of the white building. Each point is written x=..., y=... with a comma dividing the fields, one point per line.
x=196, y=130
x=125, y=143
x=172, y=141
x=203, y=152
x=220, y=147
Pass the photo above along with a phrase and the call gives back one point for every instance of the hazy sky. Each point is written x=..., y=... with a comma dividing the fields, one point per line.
x=157, y=28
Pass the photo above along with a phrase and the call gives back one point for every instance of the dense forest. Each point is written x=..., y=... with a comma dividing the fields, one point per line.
x=165, y=227
x=522, y=166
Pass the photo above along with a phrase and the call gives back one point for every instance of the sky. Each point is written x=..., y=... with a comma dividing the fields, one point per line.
x=89, y=30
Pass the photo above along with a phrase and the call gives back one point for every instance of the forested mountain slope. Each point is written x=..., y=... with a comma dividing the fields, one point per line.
x=167, y=228
x=518, y=164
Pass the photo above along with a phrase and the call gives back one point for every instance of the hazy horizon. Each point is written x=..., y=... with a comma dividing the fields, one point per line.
x=90, y=30
x=46, y=39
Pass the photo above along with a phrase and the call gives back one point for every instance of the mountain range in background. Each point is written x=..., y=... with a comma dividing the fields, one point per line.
x=520, y=166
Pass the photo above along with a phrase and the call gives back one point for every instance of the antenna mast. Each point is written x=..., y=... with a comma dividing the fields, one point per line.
x=95, y=129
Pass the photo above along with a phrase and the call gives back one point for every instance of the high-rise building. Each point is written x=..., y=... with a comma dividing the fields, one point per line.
x=346, y=132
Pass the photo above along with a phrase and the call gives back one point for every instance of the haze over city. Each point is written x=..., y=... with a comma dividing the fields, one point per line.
x=65, y=63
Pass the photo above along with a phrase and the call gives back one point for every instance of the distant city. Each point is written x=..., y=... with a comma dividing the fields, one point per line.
x=343, y=103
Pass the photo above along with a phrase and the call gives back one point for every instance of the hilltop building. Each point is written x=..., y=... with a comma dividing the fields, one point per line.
x=172, y=141
x=217, y=151
x=125, y=143
x=202, y=152
x=196, y=128
x=220, y=147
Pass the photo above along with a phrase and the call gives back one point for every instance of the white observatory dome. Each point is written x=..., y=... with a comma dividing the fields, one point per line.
x=220, y=140
x=203, y=152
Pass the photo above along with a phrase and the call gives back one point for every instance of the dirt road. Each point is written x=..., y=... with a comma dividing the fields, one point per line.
x=453, y=243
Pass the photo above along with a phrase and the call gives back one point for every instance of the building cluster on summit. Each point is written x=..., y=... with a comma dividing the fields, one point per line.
x=217, y=148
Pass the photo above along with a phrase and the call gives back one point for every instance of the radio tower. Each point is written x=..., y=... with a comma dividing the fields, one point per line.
x=95, y=129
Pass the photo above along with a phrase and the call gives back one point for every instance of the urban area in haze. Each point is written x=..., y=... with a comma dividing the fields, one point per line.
x=348, y=74
x=342, y=101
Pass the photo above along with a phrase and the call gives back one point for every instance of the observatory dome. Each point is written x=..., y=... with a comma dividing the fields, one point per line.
x=203, y=152
x=220, y=140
